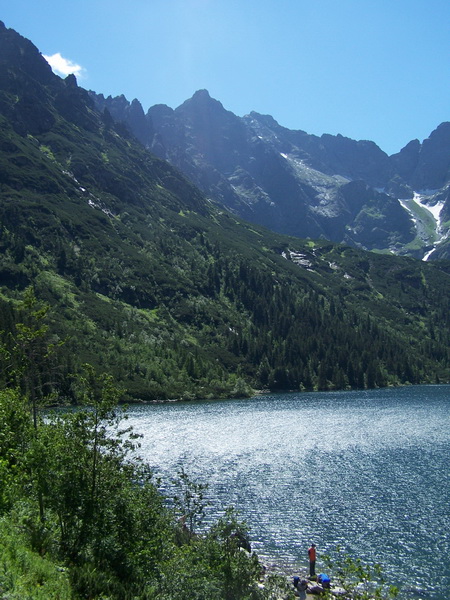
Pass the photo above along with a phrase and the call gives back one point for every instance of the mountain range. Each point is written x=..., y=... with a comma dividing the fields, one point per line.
x=329, y=187
x=165, y=286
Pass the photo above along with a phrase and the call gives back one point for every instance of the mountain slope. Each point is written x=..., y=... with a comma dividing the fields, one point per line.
x=151, y=281
x=301, y=184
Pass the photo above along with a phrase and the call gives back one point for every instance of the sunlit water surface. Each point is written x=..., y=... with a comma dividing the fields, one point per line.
x=368, y=471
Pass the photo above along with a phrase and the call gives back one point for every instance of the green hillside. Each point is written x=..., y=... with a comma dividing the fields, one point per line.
x=175, y=297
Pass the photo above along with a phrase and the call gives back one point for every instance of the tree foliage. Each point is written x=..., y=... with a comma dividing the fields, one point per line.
x=106, y=529
x=361, y=581
x=82, y=517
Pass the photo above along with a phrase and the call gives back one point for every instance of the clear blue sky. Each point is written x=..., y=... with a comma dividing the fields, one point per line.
x=368, y=69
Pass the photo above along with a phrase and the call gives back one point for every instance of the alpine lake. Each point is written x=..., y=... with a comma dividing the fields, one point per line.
x=366, y=471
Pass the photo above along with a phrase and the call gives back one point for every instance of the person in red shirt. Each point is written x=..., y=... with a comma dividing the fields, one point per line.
x=312, y=560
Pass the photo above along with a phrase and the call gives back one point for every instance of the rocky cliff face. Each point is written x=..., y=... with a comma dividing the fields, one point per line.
x=130, y=113
x=305, y=185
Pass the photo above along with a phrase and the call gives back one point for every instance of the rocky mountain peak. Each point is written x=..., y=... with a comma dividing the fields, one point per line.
x=201, y=95
x=212, y=132
x=20, y=54
x=266, y=120
x=433, y=169
x=71, y=81
x=130, y=113
x=425, y=166
x=298, y=183
x=200, y=105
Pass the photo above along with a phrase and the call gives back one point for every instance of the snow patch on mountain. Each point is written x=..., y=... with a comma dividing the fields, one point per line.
x=425, y=211
x=434, y=209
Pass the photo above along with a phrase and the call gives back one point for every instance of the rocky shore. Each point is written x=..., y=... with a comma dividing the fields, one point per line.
x=298, y=579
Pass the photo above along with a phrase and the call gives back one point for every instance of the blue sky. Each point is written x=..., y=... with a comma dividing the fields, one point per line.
x=368, y=69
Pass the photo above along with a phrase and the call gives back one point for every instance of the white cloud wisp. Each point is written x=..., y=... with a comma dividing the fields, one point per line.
x=63, y=66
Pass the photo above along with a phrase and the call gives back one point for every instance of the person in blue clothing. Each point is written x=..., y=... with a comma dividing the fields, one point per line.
x=324, y=580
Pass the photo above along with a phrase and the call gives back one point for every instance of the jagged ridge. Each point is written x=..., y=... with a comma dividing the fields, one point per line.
x=304, y=185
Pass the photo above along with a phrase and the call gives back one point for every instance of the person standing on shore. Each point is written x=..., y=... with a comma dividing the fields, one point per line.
x=312, y=560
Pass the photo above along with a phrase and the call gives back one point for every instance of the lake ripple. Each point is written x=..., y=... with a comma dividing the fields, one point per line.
x=365, y=470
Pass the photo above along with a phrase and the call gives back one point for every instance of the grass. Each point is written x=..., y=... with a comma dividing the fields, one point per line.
x=24, y=574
